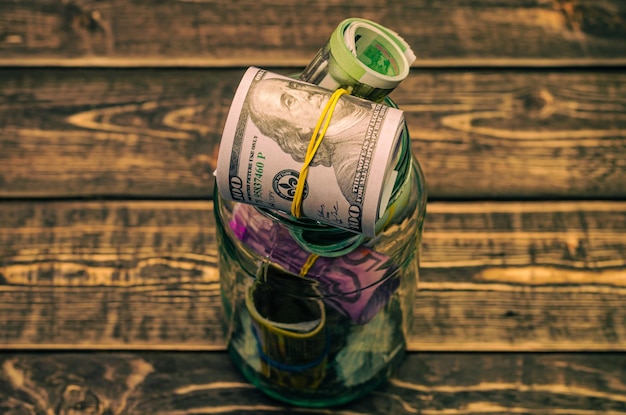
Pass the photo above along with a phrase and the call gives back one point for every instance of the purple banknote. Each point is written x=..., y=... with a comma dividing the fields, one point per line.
x=358, y=283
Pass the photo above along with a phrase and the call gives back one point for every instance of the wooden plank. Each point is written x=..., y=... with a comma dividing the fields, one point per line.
x=155, y=133
x=81, y=132
x=142, y=275
x=518, y=134
x=214, y=32
x=203, y=383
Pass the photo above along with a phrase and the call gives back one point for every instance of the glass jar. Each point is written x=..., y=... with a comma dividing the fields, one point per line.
x=315, y=315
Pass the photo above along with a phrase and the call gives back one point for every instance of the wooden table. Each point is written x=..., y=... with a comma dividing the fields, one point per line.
x=110, y=119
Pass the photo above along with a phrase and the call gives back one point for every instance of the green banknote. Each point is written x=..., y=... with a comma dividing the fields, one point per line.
x=364, y=57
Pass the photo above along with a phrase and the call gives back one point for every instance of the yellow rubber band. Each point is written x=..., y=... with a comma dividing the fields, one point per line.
x=316, y=139
x=310, y=261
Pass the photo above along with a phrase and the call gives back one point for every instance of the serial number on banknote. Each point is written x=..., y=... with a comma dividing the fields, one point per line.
x=257, y=180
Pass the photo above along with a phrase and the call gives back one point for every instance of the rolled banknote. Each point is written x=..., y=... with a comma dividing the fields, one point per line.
x=364, y=57
x=267, y=132
x=357, y=284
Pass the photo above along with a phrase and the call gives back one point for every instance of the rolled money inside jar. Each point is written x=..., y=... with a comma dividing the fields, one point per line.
x=291, y=339
x=363, y=57
x=358, y=284
x=264, y=144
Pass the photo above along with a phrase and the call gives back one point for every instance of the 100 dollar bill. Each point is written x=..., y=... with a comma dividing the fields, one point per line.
x=267, y=132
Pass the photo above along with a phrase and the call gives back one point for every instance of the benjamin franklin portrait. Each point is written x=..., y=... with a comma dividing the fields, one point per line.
x=287, y=112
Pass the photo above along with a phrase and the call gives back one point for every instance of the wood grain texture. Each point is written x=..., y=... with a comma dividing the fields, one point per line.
x=221, y=32
x=83, y=130
x=519, y=100
x=155, y=133
x=129, y=275
x=207, y=383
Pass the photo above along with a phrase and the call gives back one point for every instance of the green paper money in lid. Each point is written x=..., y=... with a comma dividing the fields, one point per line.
x=362, y=56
